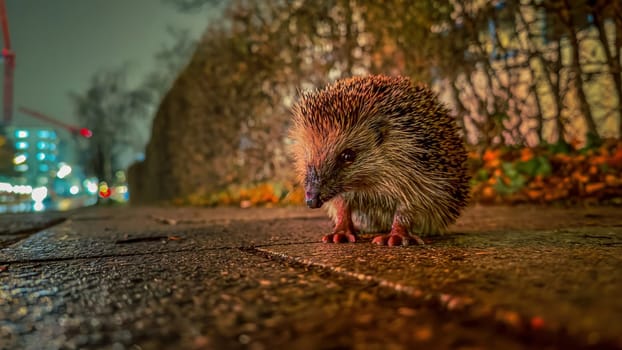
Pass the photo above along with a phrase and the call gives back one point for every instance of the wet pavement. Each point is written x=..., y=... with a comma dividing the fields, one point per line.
x=226, y=278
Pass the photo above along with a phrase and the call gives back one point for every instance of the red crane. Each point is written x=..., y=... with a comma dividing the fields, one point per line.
x=84, y=132
x=9, y=66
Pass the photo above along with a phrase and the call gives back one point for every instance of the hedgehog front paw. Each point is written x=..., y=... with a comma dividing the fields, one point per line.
x=397, y=239
x=339, y=237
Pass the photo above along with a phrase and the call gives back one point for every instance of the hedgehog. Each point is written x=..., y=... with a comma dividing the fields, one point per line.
x=382, y=155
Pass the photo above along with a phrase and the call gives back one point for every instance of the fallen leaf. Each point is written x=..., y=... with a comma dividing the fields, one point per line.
x=423, y=334
x=594, y=187
x=510, y=318
x=534, y=194
x=526, y=154
x=488, y=193
x=165, y=221
x=406, y=311
x=537, y=322
x=612, y=180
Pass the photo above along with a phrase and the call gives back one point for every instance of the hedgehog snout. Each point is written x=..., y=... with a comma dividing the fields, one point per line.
x=313, y=200
x=312, y=189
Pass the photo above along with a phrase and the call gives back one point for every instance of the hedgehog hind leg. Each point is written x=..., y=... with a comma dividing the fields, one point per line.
x=344, y=230
x=399, y=235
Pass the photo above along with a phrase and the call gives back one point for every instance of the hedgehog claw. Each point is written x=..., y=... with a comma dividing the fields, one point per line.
x=400, y=239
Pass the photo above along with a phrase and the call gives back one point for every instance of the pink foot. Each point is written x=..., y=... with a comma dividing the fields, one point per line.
x=398, y=236
x=344, y=231
x=339, y=237
x=393, y=240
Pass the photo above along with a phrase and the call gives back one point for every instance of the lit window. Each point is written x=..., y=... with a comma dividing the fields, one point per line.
x=44, y=134
x=22, y=167
x=21, y=145
x=51, y=157
x=40, y=156
x=63, y=171
x=42, y=145
x=6, y=187
x=38, y=206
x=20, y=158
x=21, y=134
x=52, y=146
x=38, y=194
x=44, y=167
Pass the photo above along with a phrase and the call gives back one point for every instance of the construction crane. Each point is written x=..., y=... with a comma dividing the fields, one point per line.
x=84, y=132
x=9, y=66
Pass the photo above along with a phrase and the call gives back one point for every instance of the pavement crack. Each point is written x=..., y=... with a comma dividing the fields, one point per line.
x=113, y=255
x=509, y=322
x=91, y=257
x=41, y=227
x=278, y=244
x=19, y=235
x=146, y=239
x=302, y=262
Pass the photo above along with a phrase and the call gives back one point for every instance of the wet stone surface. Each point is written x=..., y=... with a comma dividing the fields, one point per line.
x=109, y=232
x=153, y=278
x=15, y=227
x=216, y=299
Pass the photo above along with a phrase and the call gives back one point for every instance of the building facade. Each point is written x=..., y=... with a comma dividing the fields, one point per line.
x=36, y=155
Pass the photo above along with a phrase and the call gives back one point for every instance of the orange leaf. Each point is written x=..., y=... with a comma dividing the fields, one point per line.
x=534, y=194
x=612, y=180
x=506, y=180
x=580, y=177
x=551, y=196
x=488, y=193
x=598, y=160
x=526, y=154
x=491, y=158
x=593, y=170
x=595, y=187
x=490, y=155
x=615, y=161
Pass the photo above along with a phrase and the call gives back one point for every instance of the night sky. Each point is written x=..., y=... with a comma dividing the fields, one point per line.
x=60, y=44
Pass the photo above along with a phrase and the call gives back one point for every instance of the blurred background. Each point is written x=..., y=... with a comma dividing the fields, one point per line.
x=188, y=101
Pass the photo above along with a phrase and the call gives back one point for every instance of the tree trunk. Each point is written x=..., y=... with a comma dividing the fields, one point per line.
x=576, y=68
x=537, y=54
x=461, y=111
x=555, y=89
x=613, y=60
x=539, y=116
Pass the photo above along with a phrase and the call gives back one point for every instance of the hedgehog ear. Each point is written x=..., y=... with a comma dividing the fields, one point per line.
x=380, y=127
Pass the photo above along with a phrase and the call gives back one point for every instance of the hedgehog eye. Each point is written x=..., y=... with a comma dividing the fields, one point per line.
x=347, y=156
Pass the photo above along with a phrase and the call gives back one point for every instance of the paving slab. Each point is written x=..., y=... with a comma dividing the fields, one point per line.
x=218, y=299
x=108, y=232
x=566, y=281
x=196, y=278
x=15, y=227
